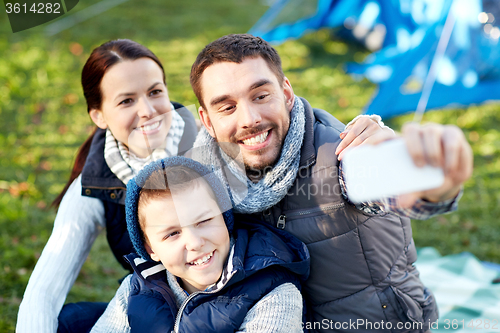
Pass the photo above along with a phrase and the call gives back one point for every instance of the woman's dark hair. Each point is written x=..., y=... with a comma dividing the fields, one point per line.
x=100, y=60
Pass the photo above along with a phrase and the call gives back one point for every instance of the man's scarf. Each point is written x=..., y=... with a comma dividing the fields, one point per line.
x=248, y=197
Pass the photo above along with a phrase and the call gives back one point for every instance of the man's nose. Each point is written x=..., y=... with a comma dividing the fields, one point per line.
x=248, y=115
x=146, y=109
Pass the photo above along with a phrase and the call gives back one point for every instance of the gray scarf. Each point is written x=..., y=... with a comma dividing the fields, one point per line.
x=248, y=197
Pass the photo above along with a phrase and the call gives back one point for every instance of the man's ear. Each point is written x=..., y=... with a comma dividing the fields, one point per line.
x=289, y=95
x=151, y=253
x=97, y=118
x=205, y=120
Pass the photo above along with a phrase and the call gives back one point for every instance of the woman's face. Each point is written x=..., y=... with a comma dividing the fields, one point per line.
x=135, y=105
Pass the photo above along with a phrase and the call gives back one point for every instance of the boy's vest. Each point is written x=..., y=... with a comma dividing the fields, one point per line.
x=263, y=260
x=361, y=264
x=100, y=182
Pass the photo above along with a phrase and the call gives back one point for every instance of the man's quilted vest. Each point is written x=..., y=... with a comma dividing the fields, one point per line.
x=361, y=264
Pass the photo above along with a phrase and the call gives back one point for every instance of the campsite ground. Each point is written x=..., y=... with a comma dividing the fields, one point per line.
x=44, y=120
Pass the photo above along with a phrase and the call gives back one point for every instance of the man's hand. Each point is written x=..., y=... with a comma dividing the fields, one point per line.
x=438, y=145
x=363, y=131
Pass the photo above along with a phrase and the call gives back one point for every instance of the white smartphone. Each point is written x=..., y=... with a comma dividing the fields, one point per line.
x=373, y=172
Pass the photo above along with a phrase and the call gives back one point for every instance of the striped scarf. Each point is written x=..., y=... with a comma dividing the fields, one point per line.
x=125, y=165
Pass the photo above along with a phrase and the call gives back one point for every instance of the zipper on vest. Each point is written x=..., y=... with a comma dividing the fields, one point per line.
x=190, y=297
x=323, y=209
x=281, y=222
x=183, y=306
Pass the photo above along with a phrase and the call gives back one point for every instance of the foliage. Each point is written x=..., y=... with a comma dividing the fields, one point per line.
x=44, y=120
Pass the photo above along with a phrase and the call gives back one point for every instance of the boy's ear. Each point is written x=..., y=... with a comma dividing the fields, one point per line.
x=98, y=119
x=151, y=253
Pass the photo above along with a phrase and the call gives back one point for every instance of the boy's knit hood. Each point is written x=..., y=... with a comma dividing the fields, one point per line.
x=135, y=185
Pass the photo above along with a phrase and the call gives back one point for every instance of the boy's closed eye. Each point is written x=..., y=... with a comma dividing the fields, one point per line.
x=203, y=222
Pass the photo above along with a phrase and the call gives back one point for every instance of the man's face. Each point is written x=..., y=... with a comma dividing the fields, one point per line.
x=247, y=106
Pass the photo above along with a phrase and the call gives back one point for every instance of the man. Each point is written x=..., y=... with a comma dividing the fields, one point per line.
x=362, y=274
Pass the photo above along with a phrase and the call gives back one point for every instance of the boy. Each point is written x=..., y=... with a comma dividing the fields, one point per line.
x=196, y=273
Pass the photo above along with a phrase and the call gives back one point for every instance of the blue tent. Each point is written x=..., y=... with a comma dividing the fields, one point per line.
x=356, y=19
x=466, y=70
x=280, y=23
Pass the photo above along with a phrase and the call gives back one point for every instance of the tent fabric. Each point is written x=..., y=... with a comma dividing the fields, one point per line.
x=469, y=71
x=467, y=297
x=466, y=74
x=275, y=27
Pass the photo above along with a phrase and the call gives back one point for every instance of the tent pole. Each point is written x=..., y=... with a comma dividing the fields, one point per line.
x=438, y=56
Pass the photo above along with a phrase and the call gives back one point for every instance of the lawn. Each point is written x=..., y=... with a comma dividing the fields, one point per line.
x=44, y=120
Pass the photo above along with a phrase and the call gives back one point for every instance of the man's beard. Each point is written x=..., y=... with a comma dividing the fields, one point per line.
x=232, y=149
x=263, y=167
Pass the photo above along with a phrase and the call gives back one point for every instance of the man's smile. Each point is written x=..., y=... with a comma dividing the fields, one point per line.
x=256, y=139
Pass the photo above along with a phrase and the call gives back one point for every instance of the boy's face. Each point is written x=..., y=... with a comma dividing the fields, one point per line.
x=187, y=233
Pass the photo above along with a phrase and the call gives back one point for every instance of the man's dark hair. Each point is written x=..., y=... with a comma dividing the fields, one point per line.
x=234, y=48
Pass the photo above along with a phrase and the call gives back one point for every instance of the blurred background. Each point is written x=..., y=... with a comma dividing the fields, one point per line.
x=44, y=118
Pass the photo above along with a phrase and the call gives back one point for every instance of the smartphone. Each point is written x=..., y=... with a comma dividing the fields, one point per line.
x=372, y=172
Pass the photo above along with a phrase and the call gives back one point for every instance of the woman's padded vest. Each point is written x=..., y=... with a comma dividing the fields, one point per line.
x=263, y=260
x=361, y=264
x=100, y=182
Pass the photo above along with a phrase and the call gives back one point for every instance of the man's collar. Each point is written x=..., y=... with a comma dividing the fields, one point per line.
x=308, y=152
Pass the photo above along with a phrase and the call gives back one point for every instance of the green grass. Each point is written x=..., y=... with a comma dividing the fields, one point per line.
x=44, y=120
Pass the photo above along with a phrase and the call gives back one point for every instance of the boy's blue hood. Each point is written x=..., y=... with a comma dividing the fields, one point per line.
x=135, y=185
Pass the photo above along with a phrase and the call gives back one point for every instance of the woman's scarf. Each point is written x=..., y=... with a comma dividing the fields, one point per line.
x=125, y=165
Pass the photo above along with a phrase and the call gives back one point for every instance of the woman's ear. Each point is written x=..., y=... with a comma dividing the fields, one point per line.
x=151, y=253
x=98, y=119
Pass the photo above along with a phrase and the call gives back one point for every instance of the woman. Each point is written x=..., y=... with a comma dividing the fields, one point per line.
x=127, y=98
